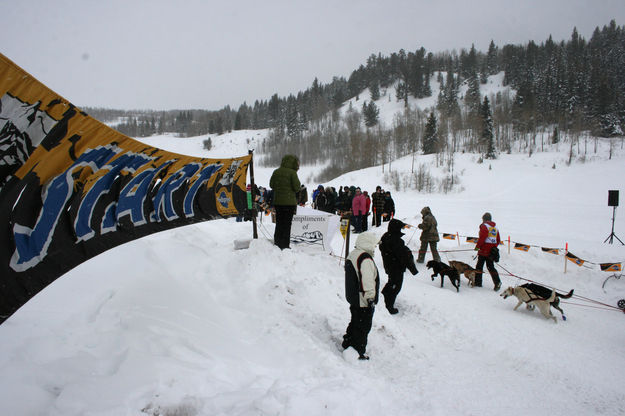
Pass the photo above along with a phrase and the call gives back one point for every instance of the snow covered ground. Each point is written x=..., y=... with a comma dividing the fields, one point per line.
x=180, y=323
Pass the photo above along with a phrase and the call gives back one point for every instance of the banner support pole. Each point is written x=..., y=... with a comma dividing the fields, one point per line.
x=347, y=233
x=254, y=213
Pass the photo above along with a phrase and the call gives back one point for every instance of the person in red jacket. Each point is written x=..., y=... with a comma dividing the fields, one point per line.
x=365, y=218
x=489, y=238
x=358, y=210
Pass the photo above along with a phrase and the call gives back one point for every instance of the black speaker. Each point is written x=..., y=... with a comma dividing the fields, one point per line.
x=613, y=198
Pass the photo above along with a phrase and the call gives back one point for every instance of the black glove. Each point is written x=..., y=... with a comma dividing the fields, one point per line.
x=413, y=269
x=371, y=303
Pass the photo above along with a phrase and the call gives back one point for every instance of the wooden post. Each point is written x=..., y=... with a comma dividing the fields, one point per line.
x=458, y=237
x=508, y=244
x=254, y=213
x=347, y=233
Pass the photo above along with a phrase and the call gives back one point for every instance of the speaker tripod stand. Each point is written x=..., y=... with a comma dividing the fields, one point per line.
x=612, y=236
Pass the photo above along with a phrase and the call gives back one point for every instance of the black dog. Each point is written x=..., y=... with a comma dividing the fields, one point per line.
x=443, y=270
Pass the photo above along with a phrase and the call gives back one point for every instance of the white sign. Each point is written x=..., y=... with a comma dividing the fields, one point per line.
x=313, y=228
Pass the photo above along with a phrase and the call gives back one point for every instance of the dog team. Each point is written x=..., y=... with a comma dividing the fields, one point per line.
x=362, y=280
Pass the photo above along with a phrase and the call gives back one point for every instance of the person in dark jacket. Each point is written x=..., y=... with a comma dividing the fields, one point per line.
x=396, y=257
x=331, y=199
x=377, y=206
x=315, y=195
x=344, y=203
x=285, y=185
x=321, y=201
x=302, y=196
x=362, y=283
x=489, y=238
x=389, y=207
x=429, y=235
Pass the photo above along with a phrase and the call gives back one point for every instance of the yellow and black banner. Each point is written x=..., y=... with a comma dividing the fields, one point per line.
x=472, y=240
x=72, y=187
x=449, y=236
x=550, y=250
x=522, y=247
x=570, y=256
x=611, y=267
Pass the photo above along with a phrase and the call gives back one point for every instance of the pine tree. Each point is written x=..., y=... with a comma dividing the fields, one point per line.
x=374, y=91
x=370, y=112
x=487, y=138
x=430, y=137
x=556, y=135
x=472, y=98
x=401, y=92
x=293, y=126
x=491, y=59
x=448, y=100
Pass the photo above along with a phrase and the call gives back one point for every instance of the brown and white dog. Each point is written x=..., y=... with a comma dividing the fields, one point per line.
x=533, y=294
x=463, y=268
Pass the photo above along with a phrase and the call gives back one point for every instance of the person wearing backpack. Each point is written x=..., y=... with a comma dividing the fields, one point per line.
x=489, y=238
x=396, y=257
x=362, y=284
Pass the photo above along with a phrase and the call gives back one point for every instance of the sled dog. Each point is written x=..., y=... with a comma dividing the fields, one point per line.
x=533, y=294
x=444, y=270
x=463, y=268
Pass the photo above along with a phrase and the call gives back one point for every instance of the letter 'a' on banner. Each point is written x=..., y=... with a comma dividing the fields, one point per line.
x=72, y=187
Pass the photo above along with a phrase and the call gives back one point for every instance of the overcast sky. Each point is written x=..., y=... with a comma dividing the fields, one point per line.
x=157, y=54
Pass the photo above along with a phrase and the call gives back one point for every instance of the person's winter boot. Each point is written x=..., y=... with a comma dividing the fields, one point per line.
x=363, y=357
x=497, y=286
x=392, y=310
x=346, y=342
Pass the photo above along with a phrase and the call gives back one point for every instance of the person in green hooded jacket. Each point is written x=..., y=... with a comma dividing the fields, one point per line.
x=429, y=235
x=285, y=185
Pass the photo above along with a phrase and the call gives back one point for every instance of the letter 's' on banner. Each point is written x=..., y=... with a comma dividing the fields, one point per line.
x=72, y=187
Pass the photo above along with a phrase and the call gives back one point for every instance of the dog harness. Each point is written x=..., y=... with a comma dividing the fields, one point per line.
x=540, y=292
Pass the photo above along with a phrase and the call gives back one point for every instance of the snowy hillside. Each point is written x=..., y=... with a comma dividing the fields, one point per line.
x=180, y=323
x=389, y=106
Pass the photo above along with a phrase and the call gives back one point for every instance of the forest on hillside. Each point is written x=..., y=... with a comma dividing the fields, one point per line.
x=567, y=88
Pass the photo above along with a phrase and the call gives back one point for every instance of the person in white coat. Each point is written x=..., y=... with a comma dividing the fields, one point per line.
x=362, y=285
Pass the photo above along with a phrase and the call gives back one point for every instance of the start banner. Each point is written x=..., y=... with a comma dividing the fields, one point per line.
x=72, y=187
